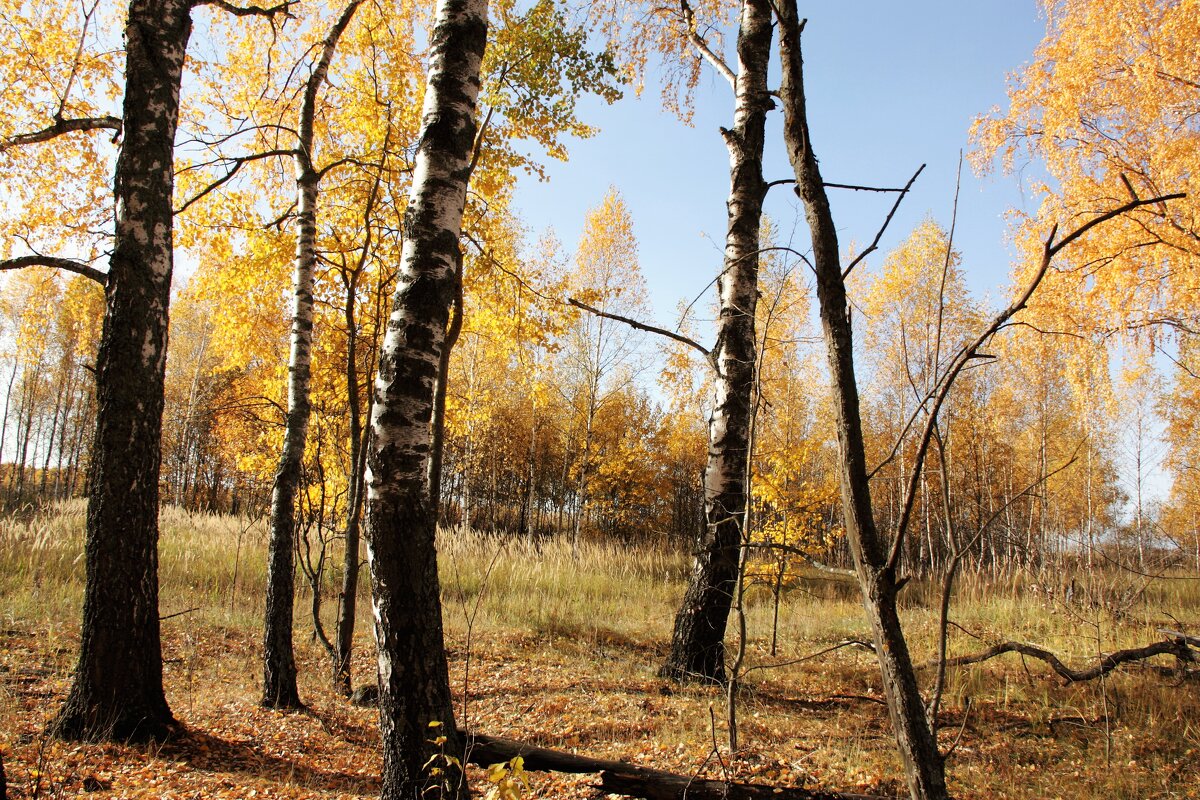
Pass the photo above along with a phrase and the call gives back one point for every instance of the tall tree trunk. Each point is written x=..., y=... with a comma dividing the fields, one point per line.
x=438, y=423
x=279, y=662
x=7, y=399
x=698, y=641
x=117, y=690
x=401, y=522
x=581, y=485
x=25, y=429
x=923, y=764
x=63, y=387
x=348, y=599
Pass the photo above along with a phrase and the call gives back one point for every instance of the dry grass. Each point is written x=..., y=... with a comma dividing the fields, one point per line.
x=564, y=652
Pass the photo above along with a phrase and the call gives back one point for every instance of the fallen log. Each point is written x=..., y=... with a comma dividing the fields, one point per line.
x=1194, y=641
x=1177, y=647
x=621, y=777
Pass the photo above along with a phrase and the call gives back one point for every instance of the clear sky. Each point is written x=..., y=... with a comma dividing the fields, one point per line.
x=891, y=85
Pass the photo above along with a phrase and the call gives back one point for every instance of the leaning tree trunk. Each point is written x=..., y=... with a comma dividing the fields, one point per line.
x=923, y=765
x=117, y=690
x=698, y=641
x=401, y=521
x=279, y=661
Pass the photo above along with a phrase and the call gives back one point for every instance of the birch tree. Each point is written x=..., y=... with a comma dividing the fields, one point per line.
x=698, y=638
x=598, y=353
x=279, y=662
x=120, y=613
x=415, y=708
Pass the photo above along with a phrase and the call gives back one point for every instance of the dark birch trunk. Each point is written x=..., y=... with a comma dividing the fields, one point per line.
x=63, y=388
x=438, y=424
x=581, y=486
x=698, y=641
x=348, y=598
x=415, y=707
x=117, y=690
x=7, y=399
x=923, y=765
x=279, y=662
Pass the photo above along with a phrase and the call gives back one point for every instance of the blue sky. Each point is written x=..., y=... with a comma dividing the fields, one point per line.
x=891, y=85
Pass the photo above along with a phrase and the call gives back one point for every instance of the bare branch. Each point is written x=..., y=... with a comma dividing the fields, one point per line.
x=1177, y=647
x=641, y=326
x=485, y=253
x=1050, y=249
x=1053, y=249
x=250, y=11
x=62, y=126
x=701, y=44
x=857, y=188
x=65, y=264
x=887, y=221
x=347, y=161
x=238, y=163
x=800, y=660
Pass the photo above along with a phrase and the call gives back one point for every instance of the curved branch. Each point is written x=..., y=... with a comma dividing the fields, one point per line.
x=238, y=163
x=1176, y=647
x=641, y=326
x=62, y=126
x=65, y=264
x=1050, y=248
x=250, y=11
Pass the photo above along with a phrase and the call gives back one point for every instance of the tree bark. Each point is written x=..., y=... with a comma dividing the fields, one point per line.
x=698, y=640
x=414, y=684
x=923, y=765
x=117, y=690
x=279, y=661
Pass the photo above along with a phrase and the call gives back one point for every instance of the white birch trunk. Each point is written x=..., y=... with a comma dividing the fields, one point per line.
x=698, y=640
x=413, y=675
x=279, y=663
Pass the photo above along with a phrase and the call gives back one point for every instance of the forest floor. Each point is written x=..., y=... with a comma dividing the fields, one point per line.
x=563, y=654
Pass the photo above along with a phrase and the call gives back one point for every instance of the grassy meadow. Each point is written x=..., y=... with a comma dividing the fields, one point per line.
x=563, y=652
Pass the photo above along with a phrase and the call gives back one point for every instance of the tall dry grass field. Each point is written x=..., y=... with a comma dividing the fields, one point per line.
x=563, y=651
